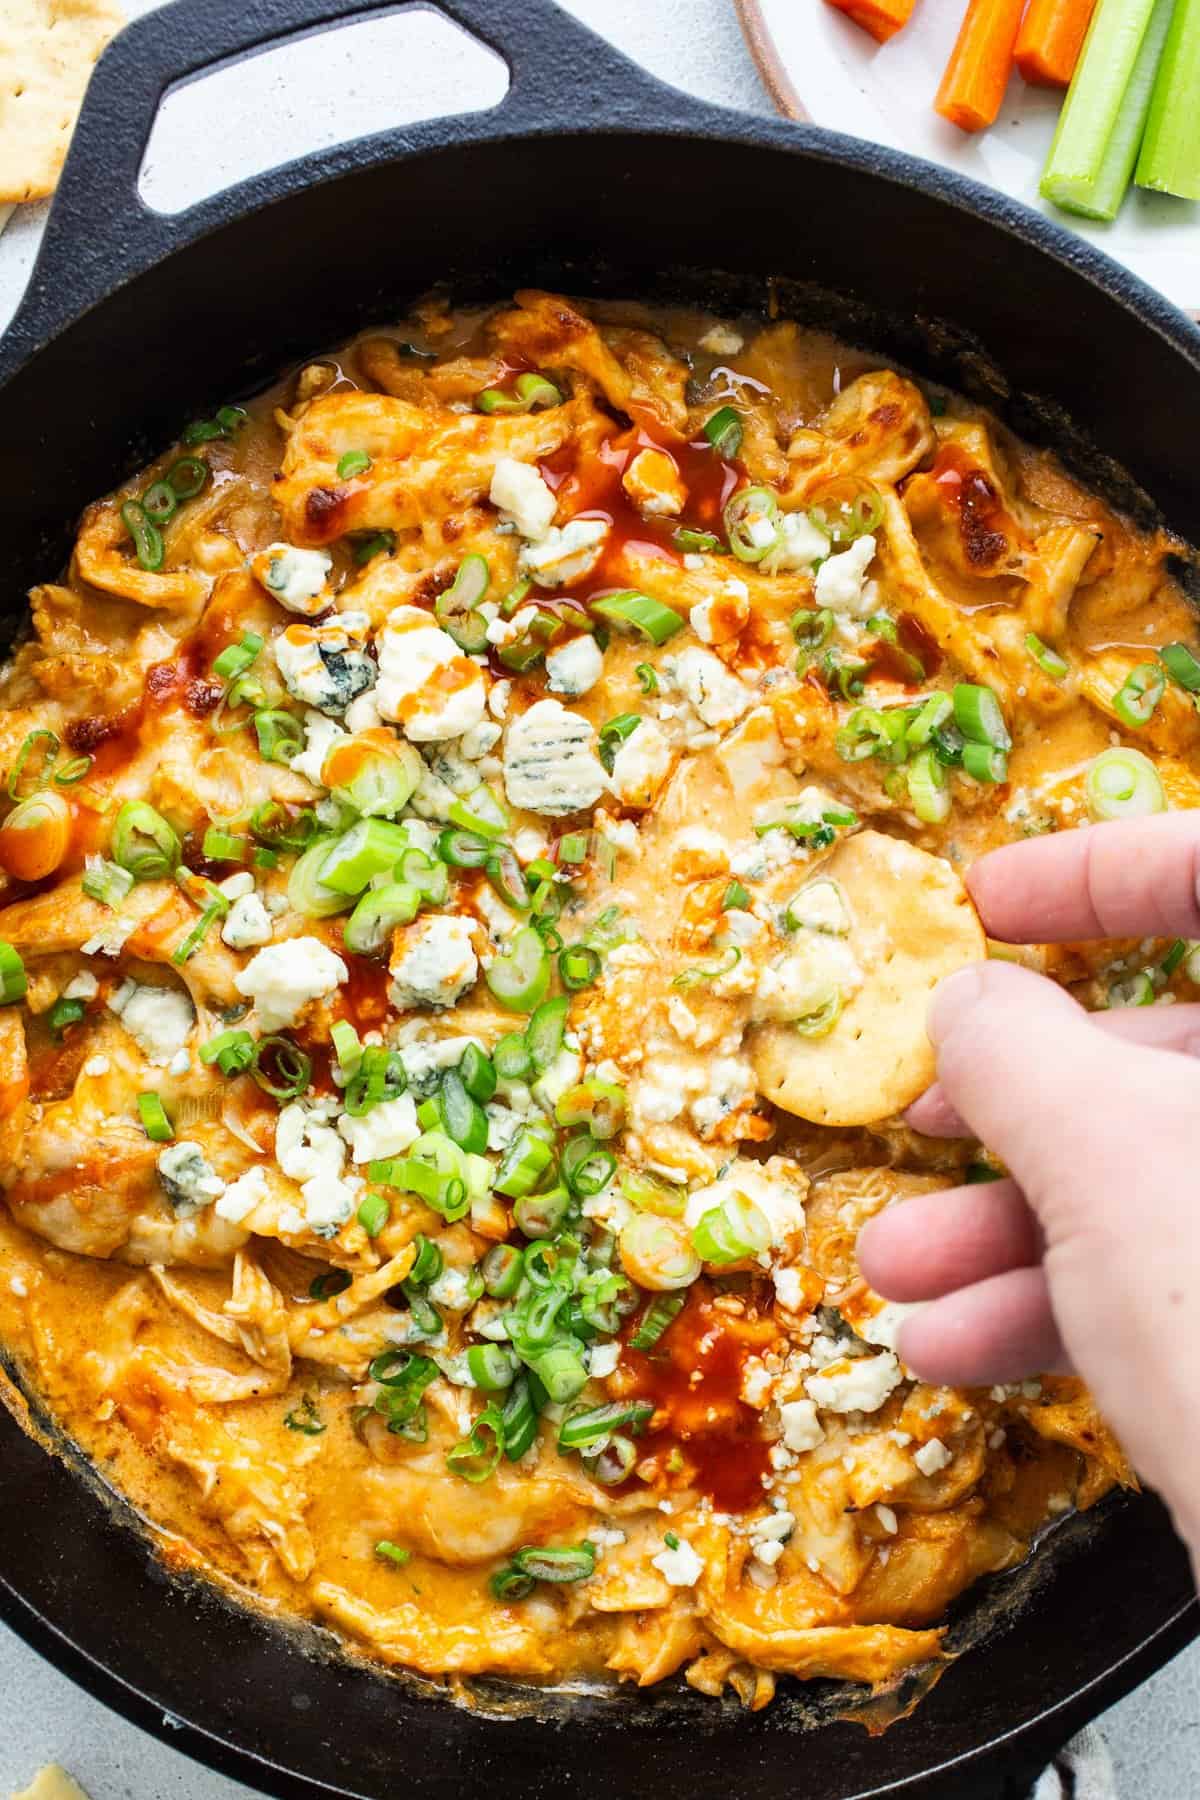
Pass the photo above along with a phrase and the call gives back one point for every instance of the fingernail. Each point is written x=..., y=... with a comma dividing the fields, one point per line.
x=952, y=998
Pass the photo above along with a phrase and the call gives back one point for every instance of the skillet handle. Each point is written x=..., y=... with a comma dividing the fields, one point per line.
x=100, y=234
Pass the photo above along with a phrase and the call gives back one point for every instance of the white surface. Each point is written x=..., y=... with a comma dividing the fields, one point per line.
x=1154, y=1735
x=885, y=92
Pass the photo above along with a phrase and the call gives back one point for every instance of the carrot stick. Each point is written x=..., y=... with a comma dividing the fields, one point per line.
x=1050, y=39
x=977, y=73
x=882, y=18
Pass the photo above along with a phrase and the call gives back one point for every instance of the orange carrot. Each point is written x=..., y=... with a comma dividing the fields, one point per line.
x=977, y=73
x=882, y=18
x=1050, y=39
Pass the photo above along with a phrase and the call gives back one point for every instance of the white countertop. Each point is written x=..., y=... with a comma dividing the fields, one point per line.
x=1154, y=1736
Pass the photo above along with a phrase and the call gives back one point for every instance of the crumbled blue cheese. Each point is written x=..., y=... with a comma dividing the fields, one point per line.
x=841, y=582
x=451, y=1290
x=320, y=734
x=566, y=554
x=820, y=906
x=425, y=1058
x=363, y=714
x=801, y=546
x=550, y=764
x=773, y=1187
x=563, y=1073
x=235, y=887
x=722, y=340
x=815, y=975
x=326, y=666
x=296, y=578
x=883, y=1327
x=285, y=977
x=247, y=924
x=188, y=1178
x=311, y=1153
x=932, y=1457
x=386, y=1130
x=718, y=697
x=83, y=986
x=523, y=497
x=159, y=1019
x=603, y=1359
x=855, y=1384
x=480, y=740
x=731, y=1083
x=426, y=683
x=641, y=765
x=243, y=1195
x=802, y=1430
x=433, y=962
x=576, y=667
x=681, y=1566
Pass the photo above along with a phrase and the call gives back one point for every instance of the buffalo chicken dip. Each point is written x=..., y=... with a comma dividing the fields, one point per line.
x=481, y=826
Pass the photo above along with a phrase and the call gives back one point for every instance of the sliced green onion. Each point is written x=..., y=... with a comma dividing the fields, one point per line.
x=724, y=432
x=280, y=1068
x=280, y=735
x=474, y=1458
x=271, y=824
x=464, y=1119
x=1181, y=666
x=522, y=1165
x=155, y=1122
x=752, y=524
x=305, y=1418
x=732, y=1232
x=822, y=1019
x=647, y=678
x=1137, y=990
x=464, y=849
x=346, y=1047
x=476, y=1074
x=984, y=763
x=611, y=736
x=187, y=477
x=638, y=612
x=376, y=916
x=587, y=1167
x=380, y=782
x=544, y=1033
x=560, y=1371
x=1135, y=701
x=532, y=392
x=1049, y=661
x=329, y=1284
x=143, y=843
x=519, y=976
x=542, y=1215
x=600, y=1105
x=159, y=502
x=1175, y=955
x=662, y=1311
x=505, y=874
x=373, y=1214
x=235, y=659
x=306, y=892
x=395, y=1554
x=147, y=538
x=232, y=1051
x=849, y=520
x=352, y=463
x=502, y=1268
x=978, y=716
x=578, y=967
x=223, y=846
x=106, y=881
x=697, y=543
x=584, y=1427
x=735, y=897
x=73, y=771
x=14, y=983
x=1124, y=784
x=812, y=630
x=376, y=543
x=490, y=1367
x=188, y=946
x=729, y=959
x=480, y=811
x=928, y=789
x=511, y=1057
x=63, y=1014
x=930, y=716
x=519, y=1417
x=380, y=1076
x=418, y=869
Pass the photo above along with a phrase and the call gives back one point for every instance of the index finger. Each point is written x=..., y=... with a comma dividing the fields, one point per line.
x=1128, y=878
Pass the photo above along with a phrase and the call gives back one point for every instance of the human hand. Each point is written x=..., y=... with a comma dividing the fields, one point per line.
x=1088, y=1255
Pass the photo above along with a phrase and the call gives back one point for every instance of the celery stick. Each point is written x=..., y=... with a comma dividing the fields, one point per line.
x=1089, y=114
x=1112, y=178
x=1170, y=159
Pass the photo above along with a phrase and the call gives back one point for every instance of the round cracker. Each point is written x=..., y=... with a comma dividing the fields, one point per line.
x=912, y=922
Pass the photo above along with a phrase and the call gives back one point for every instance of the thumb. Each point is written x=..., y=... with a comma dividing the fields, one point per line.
x=1100, y=1136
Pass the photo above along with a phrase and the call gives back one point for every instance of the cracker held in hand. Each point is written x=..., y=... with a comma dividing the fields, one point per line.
x=47, y=50
x=910, y=922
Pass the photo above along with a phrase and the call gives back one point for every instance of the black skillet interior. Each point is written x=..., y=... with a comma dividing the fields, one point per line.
x=592, y=177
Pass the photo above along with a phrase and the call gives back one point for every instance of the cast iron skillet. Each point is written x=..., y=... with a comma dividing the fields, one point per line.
x=594, y=177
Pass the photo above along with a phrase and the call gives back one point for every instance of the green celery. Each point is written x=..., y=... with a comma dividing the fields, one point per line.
x=1094, y=101
x=1170, y=158
x=1112, y=177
